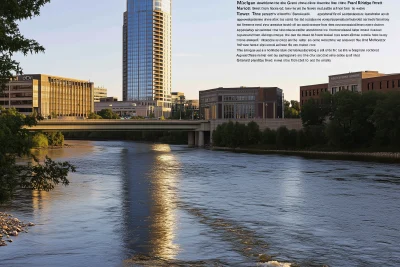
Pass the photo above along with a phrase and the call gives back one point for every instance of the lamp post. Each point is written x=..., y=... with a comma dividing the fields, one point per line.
x=266, y=111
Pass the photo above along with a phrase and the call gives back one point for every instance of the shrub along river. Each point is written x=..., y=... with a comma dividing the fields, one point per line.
x=139, y=204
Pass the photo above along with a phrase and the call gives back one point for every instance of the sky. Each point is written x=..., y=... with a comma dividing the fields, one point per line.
x=83, y=40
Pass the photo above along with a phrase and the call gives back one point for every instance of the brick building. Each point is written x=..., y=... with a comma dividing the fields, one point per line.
x=241, y=103
x=356, y=81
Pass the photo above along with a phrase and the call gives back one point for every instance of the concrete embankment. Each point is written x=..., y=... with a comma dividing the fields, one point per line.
x=389, y=157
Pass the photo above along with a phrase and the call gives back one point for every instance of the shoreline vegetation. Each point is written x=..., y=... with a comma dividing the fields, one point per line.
x=384, y=157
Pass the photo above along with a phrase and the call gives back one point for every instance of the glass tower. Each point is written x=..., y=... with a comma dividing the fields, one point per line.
x=147, y=51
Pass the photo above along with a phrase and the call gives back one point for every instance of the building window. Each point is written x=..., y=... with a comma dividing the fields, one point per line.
x=393, y=86
x=354, y=88
x=334, y=90
x=380, y=85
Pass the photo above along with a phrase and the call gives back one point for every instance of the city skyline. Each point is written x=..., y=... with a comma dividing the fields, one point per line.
x=90, y=48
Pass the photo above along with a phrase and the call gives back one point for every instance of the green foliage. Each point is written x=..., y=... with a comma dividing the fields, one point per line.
x=11, y=39
x=269, y=137
x=39, y=140
x=45, y=176
x=386, y=118
x=137, y=118
x=94, y=116
x=16, y=142
x=292, y=109
x=108, y=114
x=253, y=133
x=236, y=134
x=55, y=138
x=301, y=139
x=282, y=138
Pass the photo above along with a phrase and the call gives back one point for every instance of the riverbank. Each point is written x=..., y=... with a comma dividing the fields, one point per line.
x=10, y=226
x=385, y=157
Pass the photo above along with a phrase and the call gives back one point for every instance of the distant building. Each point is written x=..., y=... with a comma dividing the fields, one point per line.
x=132, y=108
x=99, y=92
x=147, y=52
x=109, y=99
x=361, y=82
x=241, y=103
x=49, y=95
x=176, y=97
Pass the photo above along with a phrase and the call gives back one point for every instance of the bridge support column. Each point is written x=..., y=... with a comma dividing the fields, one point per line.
x=201, y=139
x=196, y=139
x=191, y=137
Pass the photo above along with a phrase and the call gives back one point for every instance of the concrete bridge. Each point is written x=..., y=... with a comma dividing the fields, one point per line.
x=198, y=131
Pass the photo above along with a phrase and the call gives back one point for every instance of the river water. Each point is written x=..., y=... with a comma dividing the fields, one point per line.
x=137, y=204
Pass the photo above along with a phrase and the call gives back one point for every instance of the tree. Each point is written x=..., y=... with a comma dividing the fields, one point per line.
x=386, y=119
x=15, y=140
x=108, y=114
x=253, y=133
x=11, y=39
x=292, y=109
x=312, y=113
x=94, y=116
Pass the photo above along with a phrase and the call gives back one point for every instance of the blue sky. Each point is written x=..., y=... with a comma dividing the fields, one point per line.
x=83, y=39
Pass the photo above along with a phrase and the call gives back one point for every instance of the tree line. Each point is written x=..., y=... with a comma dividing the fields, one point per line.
x=347, y=121
x=15, y=140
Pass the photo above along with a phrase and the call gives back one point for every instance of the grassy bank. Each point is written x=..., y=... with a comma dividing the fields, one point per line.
x=384, y=157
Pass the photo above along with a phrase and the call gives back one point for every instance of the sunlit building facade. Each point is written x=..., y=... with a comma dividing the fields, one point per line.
x=362, y=81
x=147, y=51
x=49, y=95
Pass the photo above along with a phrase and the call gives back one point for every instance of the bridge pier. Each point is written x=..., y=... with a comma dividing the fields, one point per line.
x=201, y=139
x=191, y=137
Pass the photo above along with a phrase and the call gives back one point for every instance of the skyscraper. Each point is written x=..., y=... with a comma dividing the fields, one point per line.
x=147, y=51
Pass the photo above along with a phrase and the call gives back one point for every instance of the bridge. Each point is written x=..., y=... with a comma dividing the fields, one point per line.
x=197, y=130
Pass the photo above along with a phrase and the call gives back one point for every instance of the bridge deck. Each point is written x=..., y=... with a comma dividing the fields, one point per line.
x=118, y=125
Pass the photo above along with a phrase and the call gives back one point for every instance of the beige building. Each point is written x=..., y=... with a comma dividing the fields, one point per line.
x=132, y=108
x=98, y=93
x=360, y=81
x=49, y=95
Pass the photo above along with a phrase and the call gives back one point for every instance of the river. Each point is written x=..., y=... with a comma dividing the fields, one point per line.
x=138, y=204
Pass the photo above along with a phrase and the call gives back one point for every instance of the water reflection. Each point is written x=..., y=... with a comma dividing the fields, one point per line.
x=150, y=194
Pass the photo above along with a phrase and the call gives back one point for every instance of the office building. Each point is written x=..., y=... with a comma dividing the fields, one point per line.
x=361, y=82
x=109, y=99
x=98, y=93
x=177, y=97
x=147, y=52
x=49, y=95
x=144, y=109
x=241, y=103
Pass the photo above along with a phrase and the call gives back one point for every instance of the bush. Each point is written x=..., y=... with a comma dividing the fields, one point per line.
x=269, y=137
x=39, y=140
x=55, y=138
x=282, y=138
